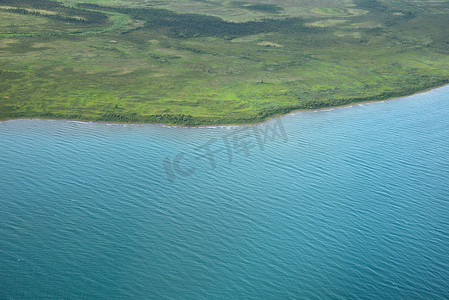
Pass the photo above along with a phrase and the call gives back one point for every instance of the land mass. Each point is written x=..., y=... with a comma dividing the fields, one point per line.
x=207, y=62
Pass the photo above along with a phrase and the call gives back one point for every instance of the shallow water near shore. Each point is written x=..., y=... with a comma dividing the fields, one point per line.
x=349, y=202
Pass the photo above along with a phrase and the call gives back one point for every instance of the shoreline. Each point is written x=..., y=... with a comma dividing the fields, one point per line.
x=236, y=124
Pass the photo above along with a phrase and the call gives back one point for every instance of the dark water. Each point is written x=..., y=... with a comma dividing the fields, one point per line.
x=350, y=203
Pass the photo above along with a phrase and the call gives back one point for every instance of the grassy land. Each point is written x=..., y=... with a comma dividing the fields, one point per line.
x=231, y=62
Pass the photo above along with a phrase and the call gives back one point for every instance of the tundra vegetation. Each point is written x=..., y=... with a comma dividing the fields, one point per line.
x=202, y=62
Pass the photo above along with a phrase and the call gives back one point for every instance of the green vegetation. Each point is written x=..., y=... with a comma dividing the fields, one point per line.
x=213, y=61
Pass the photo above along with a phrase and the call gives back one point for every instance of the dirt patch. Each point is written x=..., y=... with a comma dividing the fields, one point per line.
x=327, y=23
x=269, y=44
x=357, y=12
x=348, y=34
x=5, y=42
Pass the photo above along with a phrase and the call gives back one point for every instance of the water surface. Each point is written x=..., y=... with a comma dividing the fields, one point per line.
x=348, y=203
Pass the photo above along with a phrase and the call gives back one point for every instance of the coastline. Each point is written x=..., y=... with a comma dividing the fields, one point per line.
x=266, y=119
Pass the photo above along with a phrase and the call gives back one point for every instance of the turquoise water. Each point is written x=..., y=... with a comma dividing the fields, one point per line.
x=349, y=203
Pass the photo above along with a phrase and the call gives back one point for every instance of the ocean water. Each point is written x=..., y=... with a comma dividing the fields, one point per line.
x=347, y=203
